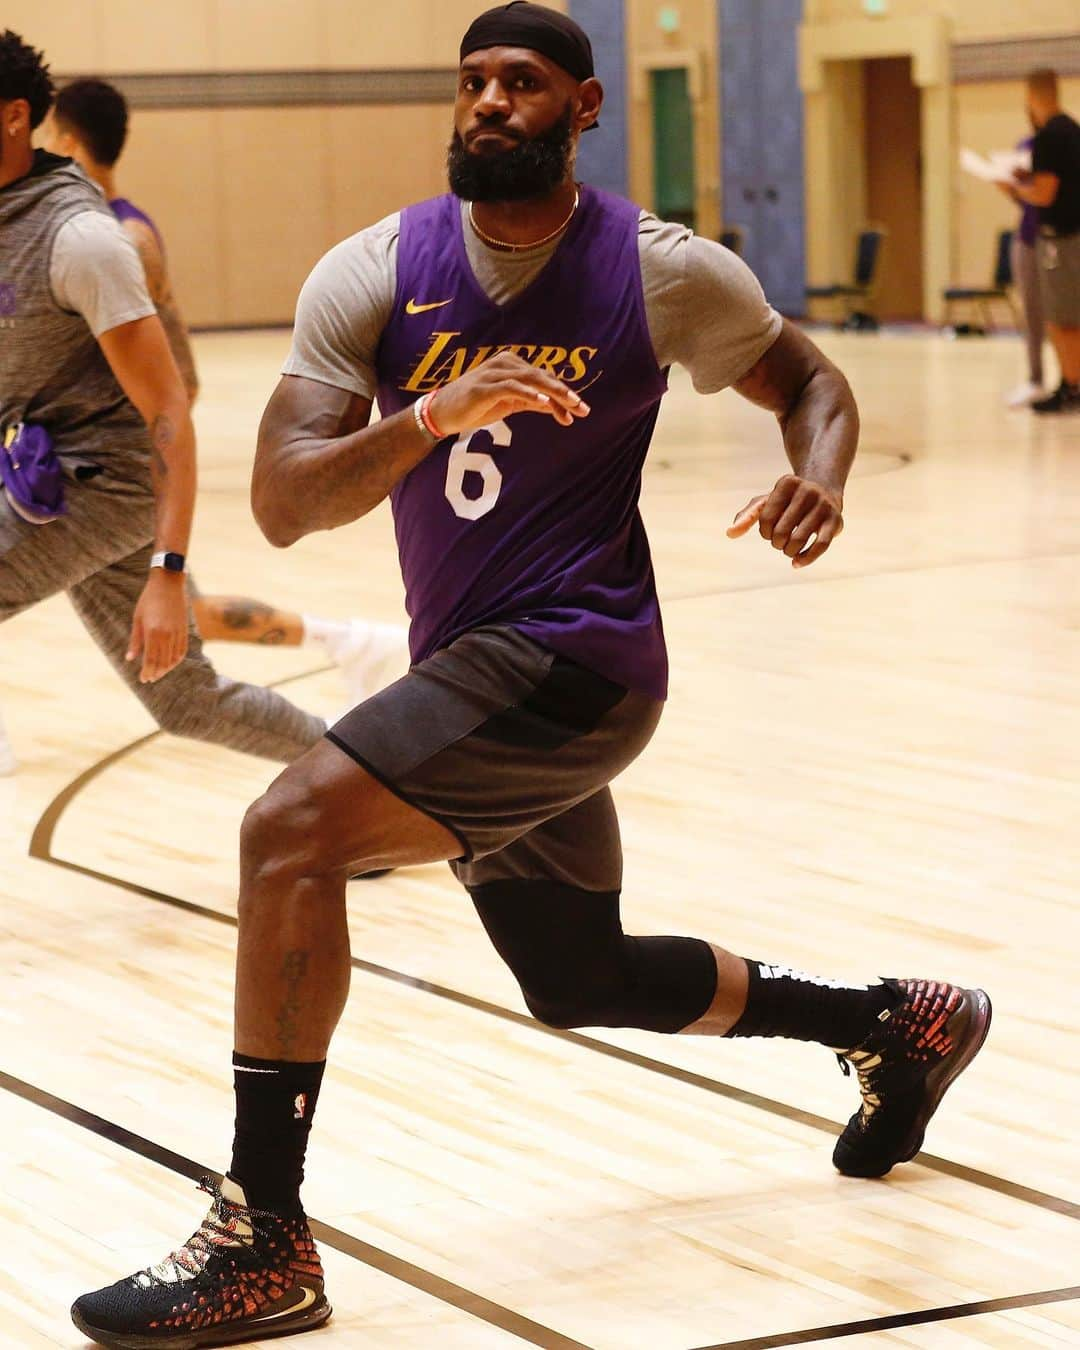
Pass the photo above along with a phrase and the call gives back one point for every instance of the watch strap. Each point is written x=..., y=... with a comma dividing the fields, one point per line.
x=170, y=562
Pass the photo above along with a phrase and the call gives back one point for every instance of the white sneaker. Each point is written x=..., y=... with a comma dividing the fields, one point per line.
x=8, y=762
x=1024, y=395
x=370, y=655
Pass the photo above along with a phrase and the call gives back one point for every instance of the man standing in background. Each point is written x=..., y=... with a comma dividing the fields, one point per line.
x=1054, y=188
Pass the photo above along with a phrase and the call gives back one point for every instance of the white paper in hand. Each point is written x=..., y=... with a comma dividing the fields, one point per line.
x=1002, y=166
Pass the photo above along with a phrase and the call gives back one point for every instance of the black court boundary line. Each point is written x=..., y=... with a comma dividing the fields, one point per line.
x=913, y=1319
x=475, y=1304
x=416, y=1276
x=41, y=850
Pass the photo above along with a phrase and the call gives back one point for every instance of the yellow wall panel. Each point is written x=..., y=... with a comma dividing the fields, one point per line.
x=381, y=159
x=269, y=35
x=68, y=31
x=241, y=232
x=984, y=20
x=405, y=33
x=275, y=207
x=172, y=169
x=138, y=36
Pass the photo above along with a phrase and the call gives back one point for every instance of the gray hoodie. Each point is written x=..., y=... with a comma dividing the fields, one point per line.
x=52, y=371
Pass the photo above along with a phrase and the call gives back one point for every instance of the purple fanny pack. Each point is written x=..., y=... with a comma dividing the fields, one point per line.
x=31, y=474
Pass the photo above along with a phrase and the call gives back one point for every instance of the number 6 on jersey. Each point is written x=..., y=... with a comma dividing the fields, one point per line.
x=463, y=460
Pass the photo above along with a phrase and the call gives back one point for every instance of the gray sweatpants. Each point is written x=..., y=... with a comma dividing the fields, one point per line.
x=1025, y=270
x=99, y=554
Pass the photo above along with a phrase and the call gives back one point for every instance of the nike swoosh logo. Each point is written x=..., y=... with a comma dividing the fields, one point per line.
x=308, y=1299
x=413, y=308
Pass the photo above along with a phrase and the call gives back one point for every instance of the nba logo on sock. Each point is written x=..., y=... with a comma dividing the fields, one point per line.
x=300, y=1106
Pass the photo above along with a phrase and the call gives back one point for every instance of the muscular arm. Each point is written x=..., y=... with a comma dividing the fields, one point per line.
x=813, y=404
x=820, y=425
x=161, y=292
x=143, y=364
x=140, y=358
x=319, y=464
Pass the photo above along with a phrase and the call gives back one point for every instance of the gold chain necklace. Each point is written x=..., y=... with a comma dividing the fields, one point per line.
x=521, y=248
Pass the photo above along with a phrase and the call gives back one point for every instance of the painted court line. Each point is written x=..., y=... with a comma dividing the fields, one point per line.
x=424, y=1280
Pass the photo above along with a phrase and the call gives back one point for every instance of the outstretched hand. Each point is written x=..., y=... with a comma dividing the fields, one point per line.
x=798, y=517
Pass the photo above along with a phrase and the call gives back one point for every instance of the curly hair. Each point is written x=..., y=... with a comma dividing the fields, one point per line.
x=24, y=74
x=97, y=114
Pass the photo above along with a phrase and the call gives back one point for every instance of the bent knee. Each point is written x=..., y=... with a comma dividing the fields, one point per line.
x=282, y=831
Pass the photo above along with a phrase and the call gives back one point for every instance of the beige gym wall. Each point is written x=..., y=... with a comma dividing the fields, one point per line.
x=249, y=198
x=131, y=36
x=972, y=20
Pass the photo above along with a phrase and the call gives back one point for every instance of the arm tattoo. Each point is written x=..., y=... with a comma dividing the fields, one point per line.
x=293, y=968
x=237, y=614
x=243, y=616
x=162, y=436
x=180, y=344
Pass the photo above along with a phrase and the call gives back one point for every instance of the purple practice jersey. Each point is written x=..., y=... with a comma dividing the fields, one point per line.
x=528, y=523
x=123, y=210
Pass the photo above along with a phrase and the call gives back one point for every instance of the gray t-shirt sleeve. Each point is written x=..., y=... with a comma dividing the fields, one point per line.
x=343, y=308
x=705, y=309
x=95, y=271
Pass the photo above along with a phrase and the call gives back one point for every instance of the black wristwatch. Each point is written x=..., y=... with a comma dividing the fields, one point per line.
x=171, y=562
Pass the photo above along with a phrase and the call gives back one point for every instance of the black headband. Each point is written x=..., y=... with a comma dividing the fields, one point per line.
x=543, y=30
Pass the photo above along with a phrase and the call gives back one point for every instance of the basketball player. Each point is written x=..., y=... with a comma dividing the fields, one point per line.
x=89, y=123
x=84, y=355
x=516, y=334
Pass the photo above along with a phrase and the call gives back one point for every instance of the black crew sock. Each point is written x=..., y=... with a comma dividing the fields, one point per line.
x=785, y=1002
x=275, y=1101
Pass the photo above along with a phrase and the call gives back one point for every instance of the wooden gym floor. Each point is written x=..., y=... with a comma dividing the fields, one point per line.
x=869, y=767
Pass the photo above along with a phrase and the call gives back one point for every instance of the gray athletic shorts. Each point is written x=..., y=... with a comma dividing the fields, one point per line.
x=1059, y=276
x=512, y=748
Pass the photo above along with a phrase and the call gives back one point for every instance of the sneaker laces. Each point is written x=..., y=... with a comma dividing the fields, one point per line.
x=920, y=1016
x=219, y=1229
x=866, y=1063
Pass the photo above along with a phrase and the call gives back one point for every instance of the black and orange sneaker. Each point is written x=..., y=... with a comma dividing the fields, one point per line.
x=246, y=1275
x=904, y=1068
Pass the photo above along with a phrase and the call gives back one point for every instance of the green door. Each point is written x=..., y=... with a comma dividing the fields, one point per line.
x=673, y=146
